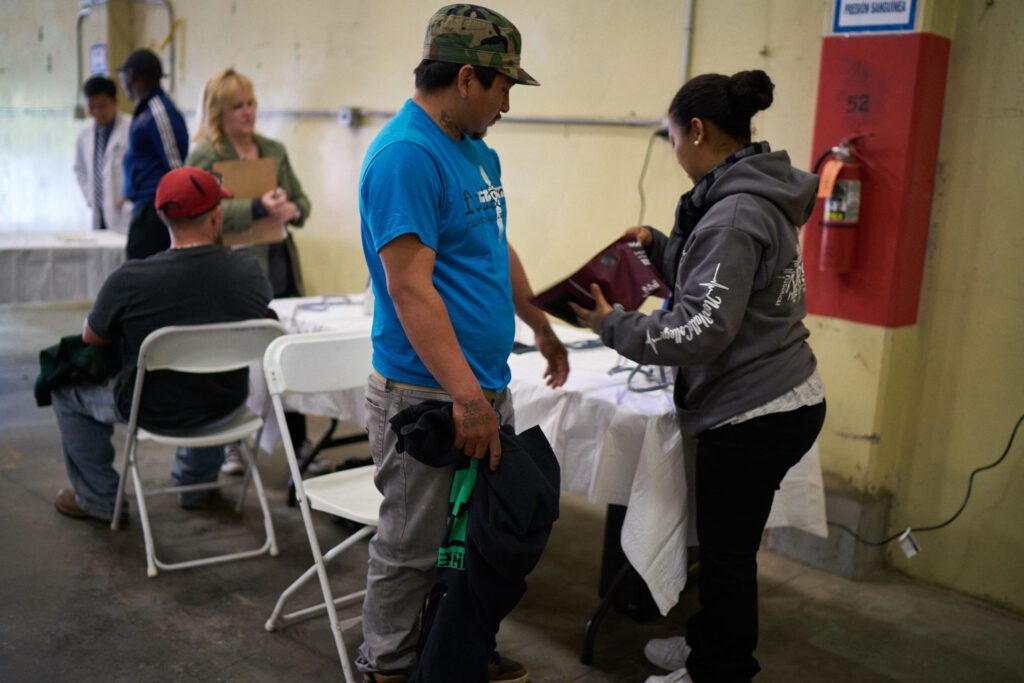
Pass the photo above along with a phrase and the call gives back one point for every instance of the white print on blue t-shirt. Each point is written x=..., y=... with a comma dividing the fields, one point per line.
x=491, y=196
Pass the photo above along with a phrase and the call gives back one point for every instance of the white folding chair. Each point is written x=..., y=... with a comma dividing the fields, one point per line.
x=323, y=362
x=200, y=349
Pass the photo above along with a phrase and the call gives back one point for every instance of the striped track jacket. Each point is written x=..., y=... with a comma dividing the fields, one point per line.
x=157, y=142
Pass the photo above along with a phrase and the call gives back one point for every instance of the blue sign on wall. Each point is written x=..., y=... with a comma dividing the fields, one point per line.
x=858, y=16
x=98, y=59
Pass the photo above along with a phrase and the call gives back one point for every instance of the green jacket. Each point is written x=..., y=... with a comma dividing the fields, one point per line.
x=72, y=360
x=238, y=212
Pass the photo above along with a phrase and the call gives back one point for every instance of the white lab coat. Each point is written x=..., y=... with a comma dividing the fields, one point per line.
x=118, y=219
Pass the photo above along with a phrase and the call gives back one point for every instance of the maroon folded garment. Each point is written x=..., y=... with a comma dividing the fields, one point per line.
x=623, y=272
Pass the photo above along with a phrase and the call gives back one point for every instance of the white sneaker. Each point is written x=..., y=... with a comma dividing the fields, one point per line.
x=233, y=463
x=668, y=653
x=677, y=676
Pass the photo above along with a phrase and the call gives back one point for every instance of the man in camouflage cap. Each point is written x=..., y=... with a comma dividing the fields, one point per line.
x=447, y=288
x=470, y=34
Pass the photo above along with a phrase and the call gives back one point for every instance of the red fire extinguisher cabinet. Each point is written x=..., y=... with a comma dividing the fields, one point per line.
x=891, y=87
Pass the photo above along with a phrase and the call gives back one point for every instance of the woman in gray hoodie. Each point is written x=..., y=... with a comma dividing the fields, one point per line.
x=747, y=387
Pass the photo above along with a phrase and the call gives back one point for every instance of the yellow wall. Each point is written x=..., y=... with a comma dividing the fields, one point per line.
x=970, y=383
x=571, y=189
x=37, y=135
x=911, y=411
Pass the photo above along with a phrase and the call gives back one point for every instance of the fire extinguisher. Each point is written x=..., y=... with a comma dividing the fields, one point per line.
x=841, y=189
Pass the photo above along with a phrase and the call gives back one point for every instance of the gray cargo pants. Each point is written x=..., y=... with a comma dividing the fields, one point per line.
x=411, y=527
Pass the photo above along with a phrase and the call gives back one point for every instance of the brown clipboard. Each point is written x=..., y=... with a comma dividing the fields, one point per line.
x=248, y=179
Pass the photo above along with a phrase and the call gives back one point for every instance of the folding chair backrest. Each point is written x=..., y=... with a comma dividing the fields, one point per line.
x=216, y=347
x=199, y=349
x=317, y=362
x=323, y=362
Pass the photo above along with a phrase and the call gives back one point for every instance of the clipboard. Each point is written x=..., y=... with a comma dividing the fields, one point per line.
x=249, y=179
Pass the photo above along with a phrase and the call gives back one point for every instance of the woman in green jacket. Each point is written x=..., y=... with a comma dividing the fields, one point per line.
x=227, y=133
x=227, y=119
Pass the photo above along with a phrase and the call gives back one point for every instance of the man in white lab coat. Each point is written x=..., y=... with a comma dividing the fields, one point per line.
x=99, y=157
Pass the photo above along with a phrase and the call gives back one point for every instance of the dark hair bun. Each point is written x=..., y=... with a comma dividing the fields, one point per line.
x=750, y=92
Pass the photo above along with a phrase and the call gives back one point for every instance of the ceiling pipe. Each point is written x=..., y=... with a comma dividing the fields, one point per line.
x=83, y=11
x=687, y=38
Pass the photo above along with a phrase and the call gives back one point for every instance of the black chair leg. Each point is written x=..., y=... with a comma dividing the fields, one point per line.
x=590, y=633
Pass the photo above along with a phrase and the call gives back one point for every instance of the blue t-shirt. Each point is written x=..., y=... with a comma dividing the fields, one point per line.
x=417, y=180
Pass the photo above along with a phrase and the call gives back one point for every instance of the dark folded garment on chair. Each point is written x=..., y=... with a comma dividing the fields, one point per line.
x=506, y=516
x=72, y=360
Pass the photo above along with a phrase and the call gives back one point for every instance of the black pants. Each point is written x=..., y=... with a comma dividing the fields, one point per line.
x=282, y=281
x=147, y=234
x=279, y=271
x=297, y=428
x=739, y=468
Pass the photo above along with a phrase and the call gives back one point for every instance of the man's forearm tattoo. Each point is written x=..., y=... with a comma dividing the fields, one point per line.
x=474, y=414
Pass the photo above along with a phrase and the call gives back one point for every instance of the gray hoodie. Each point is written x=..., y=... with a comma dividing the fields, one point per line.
x=735, y=329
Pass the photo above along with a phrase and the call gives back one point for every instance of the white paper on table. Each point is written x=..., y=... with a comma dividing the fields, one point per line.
x=656, y=527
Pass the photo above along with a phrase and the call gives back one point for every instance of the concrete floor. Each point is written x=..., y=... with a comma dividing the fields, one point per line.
x=77, y=605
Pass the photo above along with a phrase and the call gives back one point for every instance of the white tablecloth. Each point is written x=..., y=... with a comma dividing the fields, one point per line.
x=615, y=446
x=623, y=447
x=56, y=267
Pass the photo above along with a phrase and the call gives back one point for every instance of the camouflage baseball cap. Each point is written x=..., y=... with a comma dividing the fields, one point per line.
x=470, y=34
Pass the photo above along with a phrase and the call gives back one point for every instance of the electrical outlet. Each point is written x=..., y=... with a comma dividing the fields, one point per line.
x=908, y=545
x=350, y=117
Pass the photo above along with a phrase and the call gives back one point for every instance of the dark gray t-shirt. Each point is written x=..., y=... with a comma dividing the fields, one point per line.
x=193, y=286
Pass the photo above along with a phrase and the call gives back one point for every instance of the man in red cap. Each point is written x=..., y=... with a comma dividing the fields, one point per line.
x=196, y=281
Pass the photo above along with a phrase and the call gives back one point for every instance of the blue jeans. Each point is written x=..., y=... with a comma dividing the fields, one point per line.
x=86, y=414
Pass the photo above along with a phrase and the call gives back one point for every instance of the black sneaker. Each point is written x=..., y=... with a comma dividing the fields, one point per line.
x=506, y=670
x=377, y=677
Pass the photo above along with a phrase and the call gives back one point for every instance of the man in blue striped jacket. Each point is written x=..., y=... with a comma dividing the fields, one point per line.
x=157, y=142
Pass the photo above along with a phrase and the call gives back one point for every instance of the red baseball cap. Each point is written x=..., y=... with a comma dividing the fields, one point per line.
x=188, y=192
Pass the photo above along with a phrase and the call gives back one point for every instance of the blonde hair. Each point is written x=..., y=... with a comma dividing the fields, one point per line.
x=219, y=90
